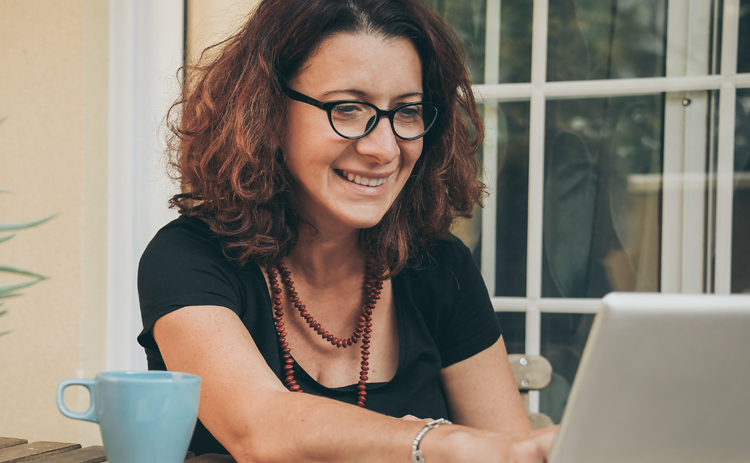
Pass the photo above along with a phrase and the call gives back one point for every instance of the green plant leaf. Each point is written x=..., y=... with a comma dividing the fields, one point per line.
x=21, y=226
x=20, y=271
x=3, y=312
x=6, y=332
x=6, y=238
x=6, y=290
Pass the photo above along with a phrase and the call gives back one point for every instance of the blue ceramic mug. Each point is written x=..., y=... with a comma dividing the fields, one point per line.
x=144, y=416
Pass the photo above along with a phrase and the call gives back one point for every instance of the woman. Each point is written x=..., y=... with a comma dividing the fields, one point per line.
x=325, y=153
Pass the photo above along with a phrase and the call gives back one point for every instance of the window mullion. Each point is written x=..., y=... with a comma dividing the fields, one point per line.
x=536, y=183
x=489, y=153
x=725, y=155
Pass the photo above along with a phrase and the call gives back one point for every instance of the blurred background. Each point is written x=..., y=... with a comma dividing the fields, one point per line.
x=617, y=157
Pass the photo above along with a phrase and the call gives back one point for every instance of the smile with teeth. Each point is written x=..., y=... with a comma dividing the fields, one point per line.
x=371, y=182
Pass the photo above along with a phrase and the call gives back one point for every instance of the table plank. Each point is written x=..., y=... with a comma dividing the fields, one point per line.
x=11, y=441
x=93, y=454
x=213, y=458
x=33, y=451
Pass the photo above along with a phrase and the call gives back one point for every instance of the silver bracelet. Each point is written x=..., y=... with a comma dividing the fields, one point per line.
x=416, y=454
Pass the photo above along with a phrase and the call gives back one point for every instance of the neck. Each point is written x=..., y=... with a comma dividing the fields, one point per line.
x=323, y=258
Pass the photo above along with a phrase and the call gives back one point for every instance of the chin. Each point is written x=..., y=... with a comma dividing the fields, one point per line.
x=365, y=221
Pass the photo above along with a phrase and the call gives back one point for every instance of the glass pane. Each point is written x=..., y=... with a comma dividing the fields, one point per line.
x=513, y=325
x=470, y=230
x=743, y=45
x=606, y=39
x=468, y=19
x=515, y=41
x=512, y=198
x=563, y=338
x=602, y=184
x=741, y=206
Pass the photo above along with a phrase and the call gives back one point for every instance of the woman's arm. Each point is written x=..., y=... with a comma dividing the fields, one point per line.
x=246, y=407
x=482, y=393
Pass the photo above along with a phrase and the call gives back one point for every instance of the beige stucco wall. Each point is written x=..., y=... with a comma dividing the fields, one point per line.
x=53, y=158
x=211, y=21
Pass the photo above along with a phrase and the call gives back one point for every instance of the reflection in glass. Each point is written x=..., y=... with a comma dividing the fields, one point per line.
x=513, y=325
x=512, y=198
x=606, y=39
x=743, y=44
x=515, y=41
x=467, y=17
x=602, y=188
x=741, y=204
x=563, y=338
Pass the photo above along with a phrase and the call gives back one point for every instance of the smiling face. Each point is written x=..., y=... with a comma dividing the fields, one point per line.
x=345, y=184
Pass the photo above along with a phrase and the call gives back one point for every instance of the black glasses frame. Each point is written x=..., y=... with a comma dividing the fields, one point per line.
x=379, y=113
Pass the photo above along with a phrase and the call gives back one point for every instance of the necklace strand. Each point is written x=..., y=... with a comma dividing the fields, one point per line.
x=372, y=289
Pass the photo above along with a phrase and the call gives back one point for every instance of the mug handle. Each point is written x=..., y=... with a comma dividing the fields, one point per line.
x=90, y=414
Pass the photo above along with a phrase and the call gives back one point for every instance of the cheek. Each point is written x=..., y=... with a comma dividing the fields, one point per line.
x=412, y=153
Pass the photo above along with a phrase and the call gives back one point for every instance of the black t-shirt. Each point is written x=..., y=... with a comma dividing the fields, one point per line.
x=443, y=313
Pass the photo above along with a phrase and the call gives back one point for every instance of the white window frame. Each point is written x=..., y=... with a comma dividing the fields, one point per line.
x=146, y=48
x=692, y=224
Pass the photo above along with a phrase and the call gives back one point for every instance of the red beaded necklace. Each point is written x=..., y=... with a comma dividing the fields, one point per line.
x=372, y=289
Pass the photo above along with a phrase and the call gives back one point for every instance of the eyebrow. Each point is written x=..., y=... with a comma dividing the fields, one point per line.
x=363, y=94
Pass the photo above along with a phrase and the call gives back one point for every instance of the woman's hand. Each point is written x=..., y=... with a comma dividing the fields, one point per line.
x=535, y=447
x=466, y=445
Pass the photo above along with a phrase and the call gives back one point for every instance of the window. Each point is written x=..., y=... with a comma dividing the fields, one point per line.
x=617, y=154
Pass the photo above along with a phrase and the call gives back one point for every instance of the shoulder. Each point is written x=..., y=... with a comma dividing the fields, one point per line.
x=183, y=239
x=444, y=256
x=446, y=269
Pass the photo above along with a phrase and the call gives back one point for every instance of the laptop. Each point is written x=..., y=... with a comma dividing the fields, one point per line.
x=663, y=378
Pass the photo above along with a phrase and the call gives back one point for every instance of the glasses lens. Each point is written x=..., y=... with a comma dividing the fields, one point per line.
x=352, y=119
x=414, y=120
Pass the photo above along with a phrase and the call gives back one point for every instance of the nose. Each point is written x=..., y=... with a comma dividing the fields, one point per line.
x=380, y=144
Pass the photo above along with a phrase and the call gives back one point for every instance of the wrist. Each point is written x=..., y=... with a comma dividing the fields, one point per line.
x=417, y=455
x=446, y=444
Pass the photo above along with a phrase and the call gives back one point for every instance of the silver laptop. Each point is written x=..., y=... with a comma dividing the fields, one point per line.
x=663, y=378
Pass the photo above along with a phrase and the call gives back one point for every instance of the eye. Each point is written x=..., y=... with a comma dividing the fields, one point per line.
x=348, y=111
x=410, y=114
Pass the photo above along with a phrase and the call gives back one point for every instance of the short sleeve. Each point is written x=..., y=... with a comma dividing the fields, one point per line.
x=470, y=324
x=184, y=266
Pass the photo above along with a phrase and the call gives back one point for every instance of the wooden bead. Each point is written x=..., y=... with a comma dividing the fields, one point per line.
x=362, y=329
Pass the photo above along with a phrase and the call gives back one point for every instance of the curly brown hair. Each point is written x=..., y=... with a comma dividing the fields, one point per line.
x=227, y=128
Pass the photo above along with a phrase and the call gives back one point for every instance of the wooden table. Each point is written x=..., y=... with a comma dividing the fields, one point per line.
x=18, y=450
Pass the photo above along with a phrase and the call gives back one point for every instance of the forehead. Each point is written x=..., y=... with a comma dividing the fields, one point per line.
x=362, y=62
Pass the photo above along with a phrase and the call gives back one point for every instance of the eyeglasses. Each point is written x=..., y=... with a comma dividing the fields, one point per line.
x=353, y=119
